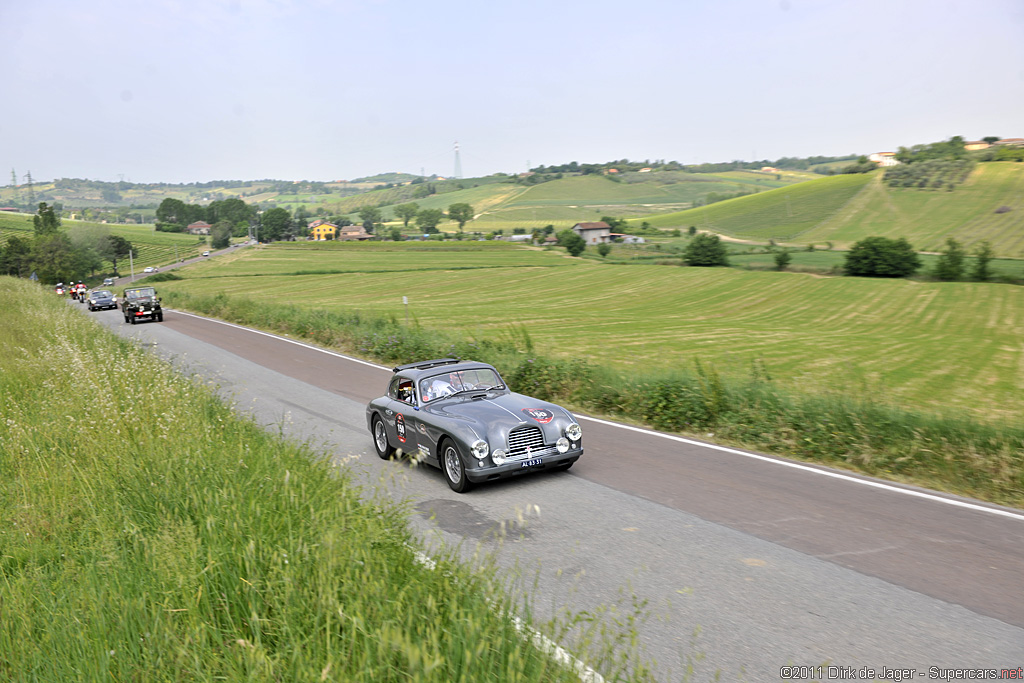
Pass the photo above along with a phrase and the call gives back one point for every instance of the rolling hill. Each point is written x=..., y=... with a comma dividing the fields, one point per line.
x=846, y=208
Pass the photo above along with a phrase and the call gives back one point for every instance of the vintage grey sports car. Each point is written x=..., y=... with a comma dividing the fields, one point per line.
x=459, y=416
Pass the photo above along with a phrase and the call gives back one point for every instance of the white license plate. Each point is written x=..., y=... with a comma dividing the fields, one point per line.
x=532, y=463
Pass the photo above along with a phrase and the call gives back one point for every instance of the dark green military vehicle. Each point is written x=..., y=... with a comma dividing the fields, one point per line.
x=141, y=303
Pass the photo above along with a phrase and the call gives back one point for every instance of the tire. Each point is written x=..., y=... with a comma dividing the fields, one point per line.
x=454, y=468
x=160, y=317
x=380, y=439
x=132, y=320
x=564, y=466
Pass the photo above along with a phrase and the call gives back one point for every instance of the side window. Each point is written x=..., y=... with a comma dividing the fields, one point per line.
x=401, y=389
x=393, y=388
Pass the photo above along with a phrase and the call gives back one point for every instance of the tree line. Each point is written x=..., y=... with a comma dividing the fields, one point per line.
x=52, y=255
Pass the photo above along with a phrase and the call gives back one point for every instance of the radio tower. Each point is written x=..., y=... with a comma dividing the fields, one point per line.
x=458, y=161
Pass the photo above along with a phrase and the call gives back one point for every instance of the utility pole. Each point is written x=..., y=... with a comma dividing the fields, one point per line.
x=31, y=194
x=14, y=185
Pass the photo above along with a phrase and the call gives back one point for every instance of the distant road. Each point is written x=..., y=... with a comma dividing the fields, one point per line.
x=773, y=562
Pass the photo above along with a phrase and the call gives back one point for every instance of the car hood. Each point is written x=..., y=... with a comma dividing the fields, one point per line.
x=499, y=414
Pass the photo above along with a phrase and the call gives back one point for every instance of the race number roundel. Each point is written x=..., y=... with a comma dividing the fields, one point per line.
x=400, y=427
x=542, y=415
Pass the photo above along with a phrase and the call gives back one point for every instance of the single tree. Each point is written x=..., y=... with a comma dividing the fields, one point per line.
x=396, y=235
x=428, y=219
x=706, y=249
x=172, y=215
x=572, y=242
x=275, y=224
x=782, y=259
x=461, y=213
x=46, y=221
x=220, y=234
x=114, y=247
x=882, y=257
x=982, y=257
x=604, y=249
x=370, y=216
x=950, y=266
x=406, y=212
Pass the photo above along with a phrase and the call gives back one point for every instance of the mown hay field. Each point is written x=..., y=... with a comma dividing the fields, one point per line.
x=936, y=346
x=782, y=214
x=988, y=206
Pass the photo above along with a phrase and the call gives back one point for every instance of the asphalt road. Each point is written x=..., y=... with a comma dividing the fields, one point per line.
x=745, y=563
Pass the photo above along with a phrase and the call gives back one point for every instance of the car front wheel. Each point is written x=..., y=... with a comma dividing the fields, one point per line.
x=453, y=467
x=380, y=440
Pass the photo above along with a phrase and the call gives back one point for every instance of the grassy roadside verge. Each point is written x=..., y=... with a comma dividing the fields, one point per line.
x=946, y=452
x=148, y=533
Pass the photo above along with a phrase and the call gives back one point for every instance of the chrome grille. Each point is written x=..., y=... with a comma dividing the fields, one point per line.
x=527, y=442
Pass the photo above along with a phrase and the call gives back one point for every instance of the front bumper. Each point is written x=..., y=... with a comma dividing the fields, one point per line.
x=483, y=470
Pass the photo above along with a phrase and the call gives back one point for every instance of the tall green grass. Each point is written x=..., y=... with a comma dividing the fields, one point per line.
x=862, y=433
x=148, y=533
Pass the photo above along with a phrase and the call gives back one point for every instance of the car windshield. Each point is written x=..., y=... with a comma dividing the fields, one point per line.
x=140, y=293
x=102, y=294
x=450, y=383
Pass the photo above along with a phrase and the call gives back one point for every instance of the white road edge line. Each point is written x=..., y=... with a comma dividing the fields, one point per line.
x=538, y=639
x=680, y=439
x=808, y=468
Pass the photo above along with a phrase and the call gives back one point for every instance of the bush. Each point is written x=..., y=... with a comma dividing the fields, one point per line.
x=706, y=249
x=572, y=242
x=882, y=257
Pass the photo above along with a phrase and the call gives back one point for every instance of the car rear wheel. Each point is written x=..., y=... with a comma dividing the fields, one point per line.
x=380, y=440
x=453, y=467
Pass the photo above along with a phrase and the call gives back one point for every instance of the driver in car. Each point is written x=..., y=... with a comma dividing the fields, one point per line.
x=442, y=385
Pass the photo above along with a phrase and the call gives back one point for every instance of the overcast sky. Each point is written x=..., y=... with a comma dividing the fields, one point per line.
x=199, y=90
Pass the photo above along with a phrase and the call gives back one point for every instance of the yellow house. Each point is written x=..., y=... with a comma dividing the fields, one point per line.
x=322, y=230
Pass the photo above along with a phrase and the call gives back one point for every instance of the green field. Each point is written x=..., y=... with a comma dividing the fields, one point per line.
x=926, y=218
x=846, y=208
x=939, y=346
x=784, y=214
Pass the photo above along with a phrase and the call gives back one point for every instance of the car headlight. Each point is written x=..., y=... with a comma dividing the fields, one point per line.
x=498, y=457
x=562, y=445
x=574, y=432
x=480, y=449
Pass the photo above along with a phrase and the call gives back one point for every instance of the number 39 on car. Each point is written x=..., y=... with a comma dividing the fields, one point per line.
x=460, y=417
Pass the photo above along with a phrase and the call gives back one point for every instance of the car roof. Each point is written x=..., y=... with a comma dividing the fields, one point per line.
x=429, y=367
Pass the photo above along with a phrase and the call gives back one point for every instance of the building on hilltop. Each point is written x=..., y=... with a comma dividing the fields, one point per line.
x=884, y=158
x=198, y=228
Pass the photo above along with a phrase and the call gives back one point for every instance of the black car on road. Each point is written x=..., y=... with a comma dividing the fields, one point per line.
x=100, y=299
x=141, y=303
